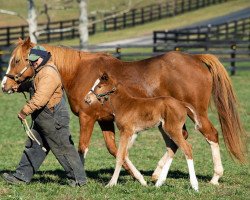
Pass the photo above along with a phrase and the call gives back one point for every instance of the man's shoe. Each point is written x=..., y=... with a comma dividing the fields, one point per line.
x=10, y=178
x=73, y=183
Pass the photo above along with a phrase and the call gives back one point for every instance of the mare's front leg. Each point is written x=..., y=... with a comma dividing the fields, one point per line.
x=108, y=131
x=86, y=129
x=168, y=156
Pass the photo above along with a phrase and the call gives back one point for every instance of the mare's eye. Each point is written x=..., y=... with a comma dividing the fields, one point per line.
x=17, y=61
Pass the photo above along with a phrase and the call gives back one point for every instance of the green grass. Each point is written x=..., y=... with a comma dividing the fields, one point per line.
x=49, y=182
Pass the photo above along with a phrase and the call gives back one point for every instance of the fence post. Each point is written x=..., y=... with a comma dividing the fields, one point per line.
x=159, y=11
x=142, y=15
x=233, y=55
x=124, y=20
x=73, y=29
x=118, y=52
x=23, y=32
x=133, y=17
x=182, y=6
x=61, y=32
x=115, y=23
x=154, y=41
x=8, y=36
x=151, y=13
x=48, y=33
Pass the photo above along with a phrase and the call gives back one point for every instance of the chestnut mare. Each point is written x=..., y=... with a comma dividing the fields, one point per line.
x=190, y=78
x=133, y=115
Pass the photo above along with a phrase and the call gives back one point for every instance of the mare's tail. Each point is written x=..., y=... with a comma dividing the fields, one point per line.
x=226, y=103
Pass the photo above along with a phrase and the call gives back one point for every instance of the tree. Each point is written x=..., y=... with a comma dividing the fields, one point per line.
x=32, y=21
x=83, y=24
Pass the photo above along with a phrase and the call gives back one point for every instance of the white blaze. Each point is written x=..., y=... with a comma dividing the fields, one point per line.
x=95, y=84
x=8, y=70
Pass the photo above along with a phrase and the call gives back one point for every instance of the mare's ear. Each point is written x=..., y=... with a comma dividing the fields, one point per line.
x=27, y=43
x=20, y=41
x=104, y=77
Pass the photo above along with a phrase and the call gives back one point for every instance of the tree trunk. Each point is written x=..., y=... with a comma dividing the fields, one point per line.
x=83, y=24
x=32, y=20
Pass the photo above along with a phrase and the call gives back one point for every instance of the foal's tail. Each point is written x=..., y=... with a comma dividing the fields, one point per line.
x=195, y=117
x=226, y=103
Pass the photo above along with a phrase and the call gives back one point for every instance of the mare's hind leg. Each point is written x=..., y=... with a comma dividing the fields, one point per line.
x=211, y=135
x=171, y=150
x=108, y=131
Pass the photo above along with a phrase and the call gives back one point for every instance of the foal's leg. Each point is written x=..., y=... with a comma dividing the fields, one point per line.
x=211, y=135
x=120, y=158
x=137, y=174
x=171, y=150
x=176, y=135
x=108, y=131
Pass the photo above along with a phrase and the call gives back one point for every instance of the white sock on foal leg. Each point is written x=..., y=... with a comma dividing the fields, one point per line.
x=159, y=167
x=164, y=172
x=136, y=173
x=193, y=179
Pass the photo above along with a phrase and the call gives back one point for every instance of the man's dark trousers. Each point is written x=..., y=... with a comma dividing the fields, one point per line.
x=52, y=130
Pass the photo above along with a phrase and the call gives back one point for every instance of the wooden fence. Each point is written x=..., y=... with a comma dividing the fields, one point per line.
x=69, y=29
x=49, y=32
x=235, y=30
x=155, y=12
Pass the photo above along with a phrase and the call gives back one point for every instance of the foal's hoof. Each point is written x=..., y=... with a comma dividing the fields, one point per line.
x=109, y=185
x=159, y=183
x=144, y=183
x=196, y=188
x=154, y=178
x=214, y=182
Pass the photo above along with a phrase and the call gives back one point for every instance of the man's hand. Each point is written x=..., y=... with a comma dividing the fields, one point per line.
x=21, y=116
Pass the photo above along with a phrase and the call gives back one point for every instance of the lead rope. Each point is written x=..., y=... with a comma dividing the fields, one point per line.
x=30, y=134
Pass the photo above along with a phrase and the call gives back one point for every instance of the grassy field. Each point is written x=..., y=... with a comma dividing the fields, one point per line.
x=49, y=182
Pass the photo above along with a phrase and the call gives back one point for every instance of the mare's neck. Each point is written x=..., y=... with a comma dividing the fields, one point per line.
x=72, y=65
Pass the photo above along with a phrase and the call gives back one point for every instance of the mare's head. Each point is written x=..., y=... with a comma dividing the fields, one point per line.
x=103, y=87
x=19, y=68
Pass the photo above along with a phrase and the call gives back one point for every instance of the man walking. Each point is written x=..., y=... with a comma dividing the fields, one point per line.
x=49, y=113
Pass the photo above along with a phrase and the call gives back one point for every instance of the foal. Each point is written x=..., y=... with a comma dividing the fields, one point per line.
x=133, y=115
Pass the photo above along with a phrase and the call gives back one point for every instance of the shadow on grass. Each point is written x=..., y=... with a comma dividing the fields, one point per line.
x=101, y=175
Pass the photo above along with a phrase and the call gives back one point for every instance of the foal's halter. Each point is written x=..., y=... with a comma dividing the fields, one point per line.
x=17, y=77
x=103, y=96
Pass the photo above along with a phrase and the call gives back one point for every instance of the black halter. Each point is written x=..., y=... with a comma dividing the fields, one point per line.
x=103, y=96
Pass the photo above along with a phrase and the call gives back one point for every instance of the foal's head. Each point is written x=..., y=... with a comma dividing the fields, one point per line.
x=103, y=87
x=19, y=68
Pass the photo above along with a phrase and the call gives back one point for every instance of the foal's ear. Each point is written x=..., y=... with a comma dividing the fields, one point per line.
x=104, y=77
